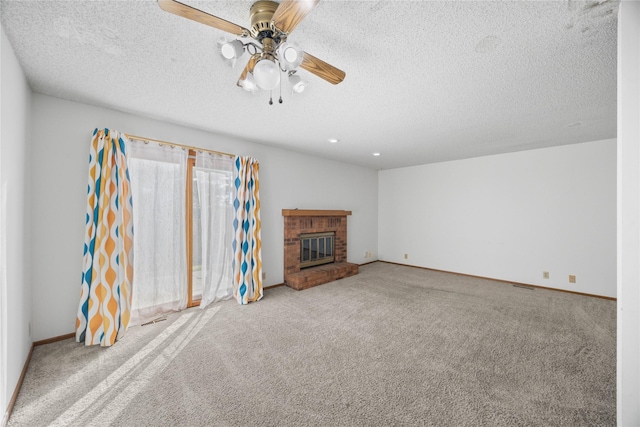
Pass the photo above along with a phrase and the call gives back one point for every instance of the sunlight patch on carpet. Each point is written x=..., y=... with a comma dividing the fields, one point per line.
x=83, y=407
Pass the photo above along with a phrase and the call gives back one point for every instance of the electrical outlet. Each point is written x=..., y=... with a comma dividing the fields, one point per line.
x=545, y=274
x=406, y=256
x=572, y=278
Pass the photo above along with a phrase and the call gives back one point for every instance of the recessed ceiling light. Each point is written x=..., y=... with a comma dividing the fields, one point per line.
x=376, y=154
x=333, y=140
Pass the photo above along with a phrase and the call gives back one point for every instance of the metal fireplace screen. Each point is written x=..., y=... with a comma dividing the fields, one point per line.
x=316, y=249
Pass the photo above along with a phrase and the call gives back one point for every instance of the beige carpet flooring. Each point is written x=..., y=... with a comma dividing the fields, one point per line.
x=391, y=346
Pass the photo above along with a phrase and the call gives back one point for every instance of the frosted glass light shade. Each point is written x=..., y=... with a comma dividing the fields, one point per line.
x=232, y=50
x=290, y=56
x=297, y=84
x=266, y=74
x=249, y=83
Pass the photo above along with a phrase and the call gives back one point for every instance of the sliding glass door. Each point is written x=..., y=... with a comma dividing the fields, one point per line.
x=182, y=218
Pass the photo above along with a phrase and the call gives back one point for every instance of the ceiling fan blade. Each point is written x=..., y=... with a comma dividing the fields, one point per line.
x=197, y=15
x=322, y=69
x=290, y=12
x=248, y=68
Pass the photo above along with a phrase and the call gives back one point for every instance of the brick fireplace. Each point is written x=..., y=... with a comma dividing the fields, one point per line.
x=304, y=222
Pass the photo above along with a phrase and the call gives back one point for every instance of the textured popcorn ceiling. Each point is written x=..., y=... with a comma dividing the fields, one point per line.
x=426, y=81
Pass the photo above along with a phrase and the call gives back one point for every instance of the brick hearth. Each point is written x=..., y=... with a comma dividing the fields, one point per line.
x=298, y=222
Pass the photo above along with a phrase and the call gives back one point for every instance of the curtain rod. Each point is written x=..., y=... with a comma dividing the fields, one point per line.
x=172, y=144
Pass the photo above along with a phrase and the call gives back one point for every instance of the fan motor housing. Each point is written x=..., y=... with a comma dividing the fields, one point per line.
x=261, y=14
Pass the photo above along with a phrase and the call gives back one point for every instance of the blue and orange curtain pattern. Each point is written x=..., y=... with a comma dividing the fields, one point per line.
x=247, y=245
x=107, y=273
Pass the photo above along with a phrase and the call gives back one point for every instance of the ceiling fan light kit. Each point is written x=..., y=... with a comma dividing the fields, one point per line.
x=271, y=54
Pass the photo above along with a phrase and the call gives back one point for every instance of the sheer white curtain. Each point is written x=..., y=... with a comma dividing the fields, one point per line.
x=213, y=200
x=158, y=183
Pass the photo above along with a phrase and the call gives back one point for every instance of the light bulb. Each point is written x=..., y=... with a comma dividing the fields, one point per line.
x=266, y=74
x=290, y=54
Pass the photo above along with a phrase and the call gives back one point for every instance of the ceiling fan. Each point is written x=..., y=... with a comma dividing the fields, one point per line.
x=271, y=54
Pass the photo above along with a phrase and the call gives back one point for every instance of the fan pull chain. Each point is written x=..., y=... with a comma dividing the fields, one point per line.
x=280, y=100
x=270, y=98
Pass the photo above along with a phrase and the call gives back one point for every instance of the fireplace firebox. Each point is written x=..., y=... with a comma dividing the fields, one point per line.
x=316, y=249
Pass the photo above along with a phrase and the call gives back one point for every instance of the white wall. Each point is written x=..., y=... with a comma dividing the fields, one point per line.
x=509, y=216
x=61, y=136
x=15, y=292
x=628, y=386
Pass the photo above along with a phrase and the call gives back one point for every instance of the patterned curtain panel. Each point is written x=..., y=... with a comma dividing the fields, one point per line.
x=247, y=255
x=104, y=309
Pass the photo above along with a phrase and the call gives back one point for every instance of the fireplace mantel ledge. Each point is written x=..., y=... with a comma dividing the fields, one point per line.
x=311, y=212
